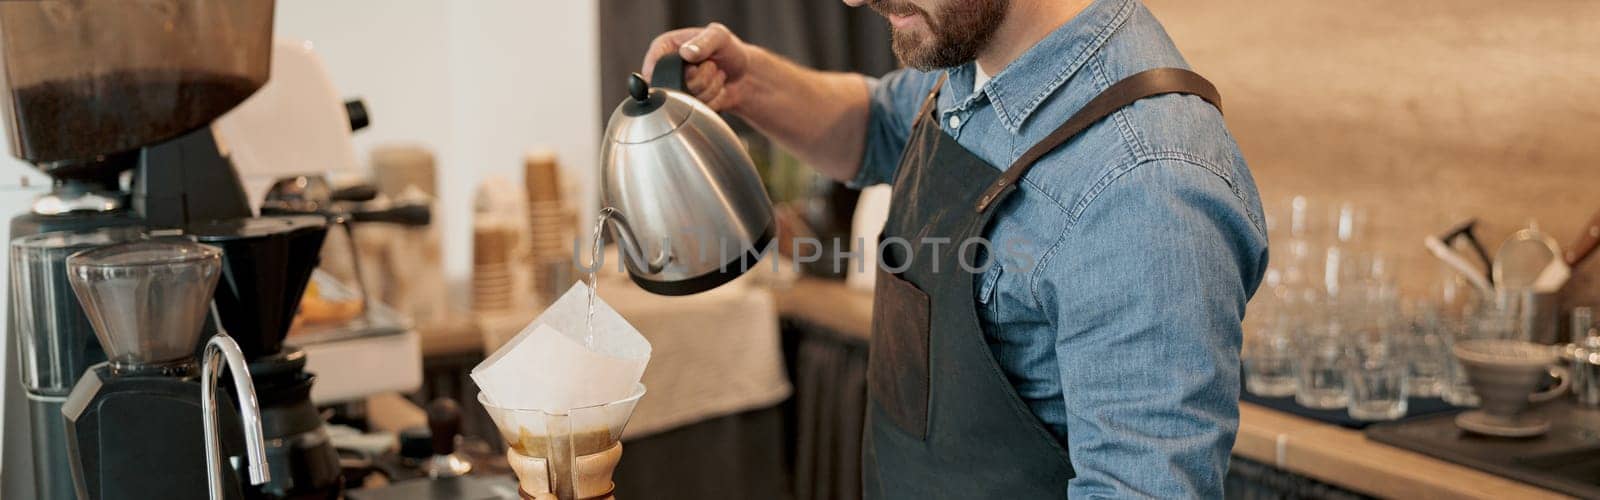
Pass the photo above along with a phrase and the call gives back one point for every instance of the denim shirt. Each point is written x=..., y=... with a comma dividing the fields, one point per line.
x=1121, y=266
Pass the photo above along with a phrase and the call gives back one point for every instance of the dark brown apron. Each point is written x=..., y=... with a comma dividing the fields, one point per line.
x=942, y=419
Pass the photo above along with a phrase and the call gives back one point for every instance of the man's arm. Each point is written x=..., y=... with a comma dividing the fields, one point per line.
x=819, y=116
x=1147, y=287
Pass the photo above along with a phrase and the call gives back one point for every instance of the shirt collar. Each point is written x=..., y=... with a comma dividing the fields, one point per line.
x=1023, y=85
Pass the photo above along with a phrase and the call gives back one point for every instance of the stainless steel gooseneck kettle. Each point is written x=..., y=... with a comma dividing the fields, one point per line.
x=685, y=201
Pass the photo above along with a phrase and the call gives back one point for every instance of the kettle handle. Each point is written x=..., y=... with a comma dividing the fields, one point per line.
x=668, y=73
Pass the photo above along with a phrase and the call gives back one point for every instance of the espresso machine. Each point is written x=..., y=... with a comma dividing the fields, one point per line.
x=114, y=100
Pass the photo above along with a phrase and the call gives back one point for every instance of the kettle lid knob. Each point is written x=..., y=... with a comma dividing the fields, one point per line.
x=638, y=88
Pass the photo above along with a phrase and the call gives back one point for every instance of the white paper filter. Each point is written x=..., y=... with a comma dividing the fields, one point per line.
x=548, y=367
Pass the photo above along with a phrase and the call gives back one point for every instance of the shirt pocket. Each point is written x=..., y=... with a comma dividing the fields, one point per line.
x=988, y=295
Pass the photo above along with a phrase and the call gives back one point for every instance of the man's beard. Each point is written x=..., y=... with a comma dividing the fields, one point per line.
x=953, y=37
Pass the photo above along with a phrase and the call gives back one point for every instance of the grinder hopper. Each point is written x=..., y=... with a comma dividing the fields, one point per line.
x=90, y=78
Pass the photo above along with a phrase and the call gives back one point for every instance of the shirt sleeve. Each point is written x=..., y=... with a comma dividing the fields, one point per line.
x=892, y=108
x=1147, y=289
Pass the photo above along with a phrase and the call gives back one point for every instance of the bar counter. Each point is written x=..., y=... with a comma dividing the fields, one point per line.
x=826, y=327
x=1323, y=452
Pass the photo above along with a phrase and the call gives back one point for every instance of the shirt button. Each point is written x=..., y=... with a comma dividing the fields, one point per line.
x=955, y=121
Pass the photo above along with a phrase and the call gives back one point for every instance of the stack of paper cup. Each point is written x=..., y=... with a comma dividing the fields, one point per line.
x=397, y=167
x=499, y=262
x=493, y=278
x=551, y=226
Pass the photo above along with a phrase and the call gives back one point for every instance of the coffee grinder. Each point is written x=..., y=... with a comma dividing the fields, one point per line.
x=114, y=100
x=57, y=344
x=131, y=420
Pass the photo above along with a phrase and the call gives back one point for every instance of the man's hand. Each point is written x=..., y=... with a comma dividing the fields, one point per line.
x=718, y=61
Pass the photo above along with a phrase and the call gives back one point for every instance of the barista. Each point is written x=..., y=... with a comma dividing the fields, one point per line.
x=1068, y=254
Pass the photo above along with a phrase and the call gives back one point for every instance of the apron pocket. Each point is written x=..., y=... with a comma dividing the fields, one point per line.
x=897, y=367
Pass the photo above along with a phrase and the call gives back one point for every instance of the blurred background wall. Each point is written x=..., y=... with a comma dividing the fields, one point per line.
x=479, y=81
x=1423, y=111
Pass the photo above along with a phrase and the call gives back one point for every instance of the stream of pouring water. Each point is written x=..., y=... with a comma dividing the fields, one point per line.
x=596, y=251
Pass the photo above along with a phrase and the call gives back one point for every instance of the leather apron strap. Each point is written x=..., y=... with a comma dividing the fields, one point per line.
x=1121, y=94
x=926, y=111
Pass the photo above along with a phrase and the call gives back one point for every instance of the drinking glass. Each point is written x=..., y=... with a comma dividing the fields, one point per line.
x=1583, y=354
x=1581, y=325
x=1301, y=266
x=1343, y=260
x=1269, y=358
x=1377, y=380
x=1369, y=311
x=1425, y=352
x=1322, y=368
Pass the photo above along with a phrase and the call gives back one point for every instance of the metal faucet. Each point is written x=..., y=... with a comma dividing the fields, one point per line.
x=222, y=347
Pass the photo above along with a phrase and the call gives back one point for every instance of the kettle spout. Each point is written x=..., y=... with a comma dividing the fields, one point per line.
x=632, y=252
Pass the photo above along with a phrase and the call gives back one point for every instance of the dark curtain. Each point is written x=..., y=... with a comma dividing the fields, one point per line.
x=827, y=414
x=823, y=34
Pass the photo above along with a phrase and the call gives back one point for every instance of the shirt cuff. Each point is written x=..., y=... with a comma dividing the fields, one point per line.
x=866, y=175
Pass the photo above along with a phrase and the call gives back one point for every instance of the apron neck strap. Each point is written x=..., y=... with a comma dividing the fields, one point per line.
x=929, y=103
x=1150, y=83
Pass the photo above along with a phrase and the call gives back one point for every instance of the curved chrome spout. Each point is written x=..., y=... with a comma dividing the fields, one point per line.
x=629, y=246
x=219, y=348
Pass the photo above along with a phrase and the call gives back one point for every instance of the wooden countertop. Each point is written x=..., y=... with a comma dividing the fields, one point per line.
x=1326, y=452
x=457, y=335
x=1347, y=458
